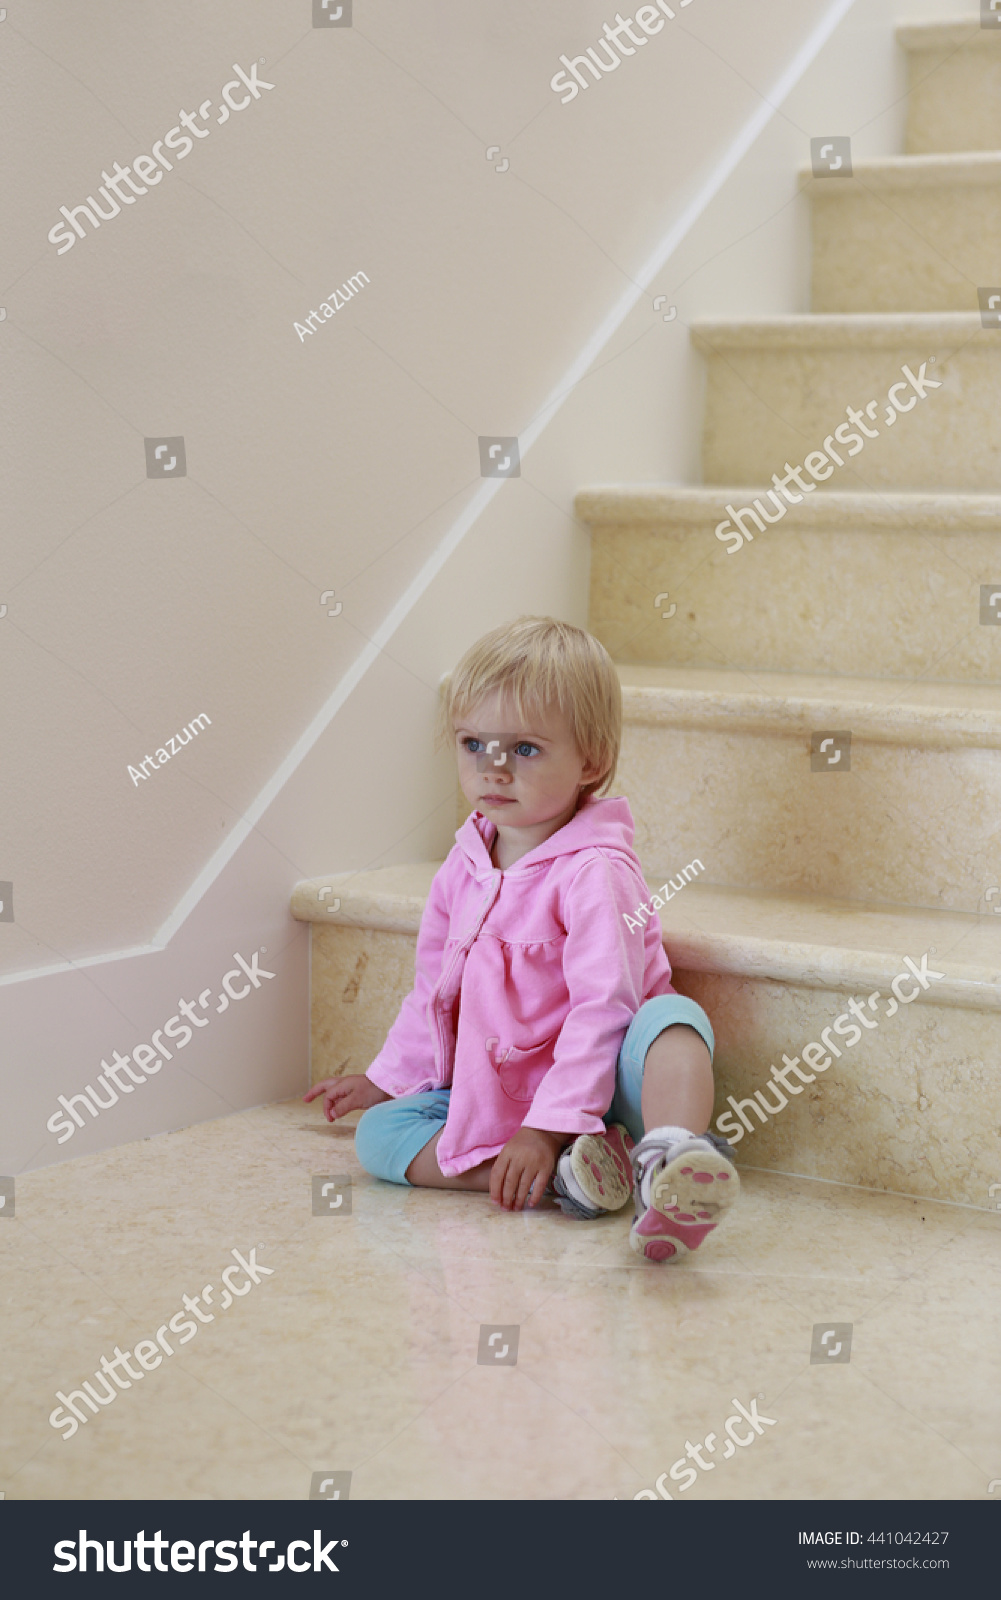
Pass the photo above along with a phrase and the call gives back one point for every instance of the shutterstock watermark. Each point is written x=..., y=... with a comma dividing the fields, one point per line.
x=682, y=1469
x=825, y=460
x=352, y=287
x=73, y=1554
x=657, y=904
x=819, y=1057
x=163, y=755
x=148, y=1056
x=150, y=1352
x=651, y=20
x=150, y=169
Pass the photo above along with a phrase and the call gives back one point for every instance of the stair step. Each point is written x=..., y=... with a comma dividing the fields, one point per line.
x=717, y=766
x=931, y=553
x=953, y=85
x=912, y=1106
x=882, y=710
x=908, y=233
x=778, y=388
x=386, y=899
x=814, y=941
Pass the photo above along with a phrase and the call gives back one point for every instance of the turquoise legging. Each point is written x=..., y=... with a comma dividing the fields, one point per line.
x=391, y=1134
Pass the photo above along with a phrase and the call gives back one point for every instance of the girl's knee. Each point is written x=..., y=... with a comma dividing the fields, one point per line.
x=372, y=1139
x=664, y=1016
x=682, y=1035
x=389, y=1135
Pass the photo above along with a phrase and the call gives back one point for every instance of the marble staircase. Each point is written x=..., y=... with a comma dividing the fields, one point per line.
x=858, y=611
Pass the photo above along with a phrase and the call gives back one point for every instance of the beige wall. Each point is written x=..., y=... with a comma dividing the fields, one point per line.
x=347, y=461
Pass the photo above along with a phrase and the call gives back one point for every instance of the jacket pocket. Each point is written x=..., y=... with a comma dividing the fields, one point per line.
x=520, y=1071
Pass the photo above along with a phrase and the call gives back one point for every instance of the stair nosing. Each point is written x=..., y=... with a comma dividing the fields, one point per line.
x=768, y=709
x=964, y=168
x=656, y=503
x=839, y=330
x=808, y=964
x=950, y=34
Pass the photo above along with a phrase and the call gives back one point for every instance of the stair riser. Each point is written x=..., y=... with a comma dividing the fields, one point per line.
x=908, y=249
x=902, y=598
x=910, y=1108
x=954, y=98
x=359, y=978
x=776, y=404
x=913, y=1107
x=909, y=826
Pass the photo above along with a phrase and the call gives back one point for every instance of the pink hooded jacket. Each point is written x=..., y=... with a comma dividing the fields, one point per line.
x=526, y=983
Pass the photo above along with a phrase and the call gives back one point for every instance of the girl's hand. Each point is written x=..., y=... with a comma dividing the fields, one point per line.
x=526, y=1162
x=341, y=1095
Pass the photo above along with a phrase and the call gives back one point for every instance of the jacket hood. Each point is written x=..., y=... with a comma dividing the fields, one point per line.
x=602, y=824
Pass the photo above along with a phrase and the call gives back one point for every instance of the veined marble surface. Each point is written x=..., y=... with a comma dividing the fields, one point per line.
x=358, y=1352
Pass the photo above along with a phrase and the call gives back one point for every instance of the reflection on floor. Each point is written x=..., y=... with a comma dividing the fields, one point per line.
x=358, y=1353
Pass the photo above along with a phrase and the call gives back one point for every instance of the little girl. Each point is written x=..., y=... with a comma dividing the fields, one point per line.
x=543, y=1048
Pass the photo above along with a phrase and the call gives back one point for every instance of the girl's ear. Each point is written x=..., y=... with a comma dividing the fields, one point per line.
x=591, y=779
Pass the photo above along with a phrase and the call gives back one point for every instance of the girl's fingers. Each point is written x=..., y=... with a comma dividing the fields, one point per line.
x=539, y=1186
x=527, y=1178
x=328, y=1086
x=511, y=1183
x=334, y=1104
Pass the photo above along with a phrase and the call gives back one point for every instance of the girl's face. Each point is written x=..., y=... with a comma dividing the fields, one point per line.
x=520, y=773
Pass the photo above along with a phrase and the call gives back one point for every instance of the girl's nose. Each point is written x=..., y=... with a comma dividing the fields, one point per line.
x=495, y=760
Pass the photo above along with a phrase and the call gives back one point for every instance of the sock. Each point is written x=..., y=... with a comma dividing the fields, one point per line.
x=673, y=1134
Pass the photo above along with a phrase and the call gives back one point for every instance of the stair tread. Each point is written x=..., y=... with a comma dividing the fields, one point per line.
x=838, y=329
x=668, y=502
x=953, y=34
x=965, y=167
x=810, y=940
x=391, y=897
x=888, y=707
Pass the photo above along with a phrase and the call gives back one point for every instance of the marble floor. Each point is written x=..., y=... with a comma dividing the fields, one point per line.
x=357, y=1351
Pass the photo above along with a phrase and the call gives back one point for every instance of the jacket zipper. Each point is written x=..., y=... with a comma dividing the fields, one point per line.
x=459, y=950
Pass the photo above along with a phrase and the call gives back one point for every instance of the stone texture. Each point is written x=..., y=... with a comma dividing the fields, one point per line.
x=913, y=233
x=953, y=86
x=778, y=387
x=870, y=585
x=360, y=977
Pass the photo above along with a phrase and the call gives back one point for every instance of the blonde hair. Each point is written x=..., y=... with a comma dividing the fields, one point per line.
x=540, y=661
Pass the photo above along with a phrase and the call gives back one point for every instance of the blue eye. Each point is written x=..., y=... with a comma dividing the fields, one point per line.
x=474, y=746
x=526, y=749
